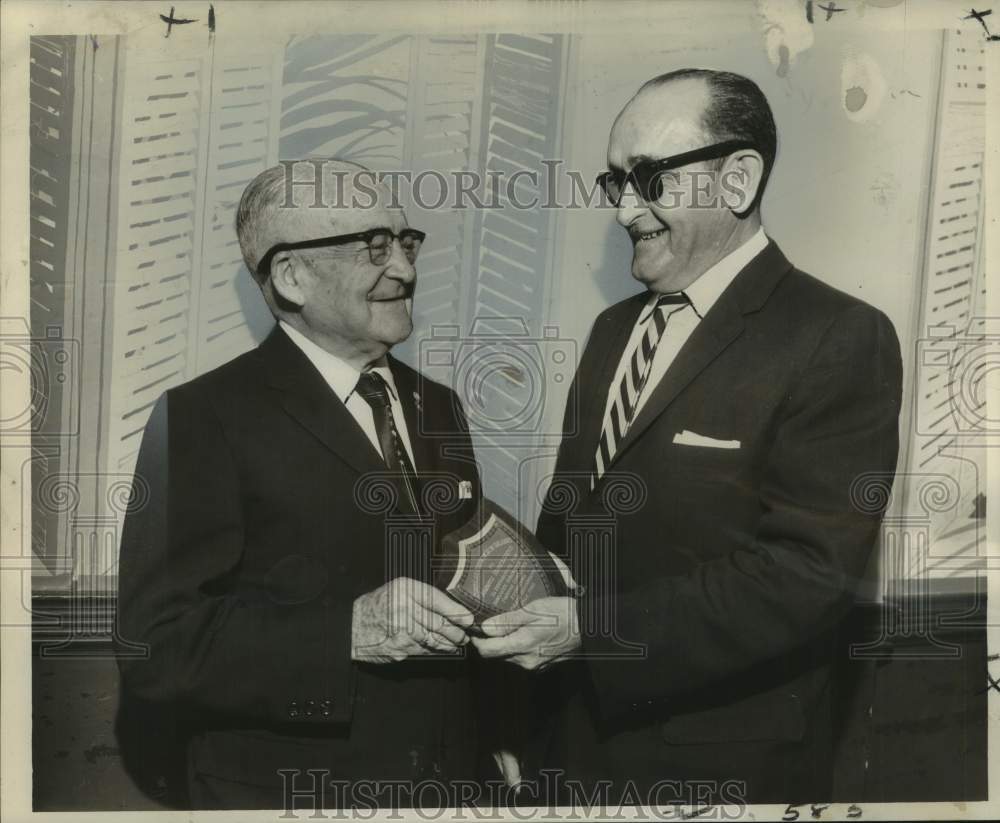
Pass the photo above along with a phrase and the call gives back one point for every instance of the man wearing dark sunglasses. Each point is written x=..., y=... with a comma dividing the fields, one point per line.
x=756, y=408
x=272, y=575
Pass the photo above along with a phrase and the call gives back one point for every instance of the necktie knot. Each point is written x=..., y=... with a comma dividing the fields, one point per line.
x=625, y=401
x=372, y=388
x=677, y=299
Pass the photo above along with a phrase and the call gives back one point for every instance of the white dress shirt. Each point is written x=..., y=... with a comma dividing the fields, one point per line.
x=702, y=293
x=342, y=378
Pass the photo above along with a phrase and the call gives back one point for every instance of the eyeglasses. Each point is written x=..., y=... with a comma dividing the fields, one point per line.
x=379, y=242
x=646, y=175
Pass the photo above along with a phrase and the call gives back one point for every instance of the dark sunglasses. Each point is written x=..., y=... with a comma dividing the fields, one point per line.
x=379, y=242
x=645, y=176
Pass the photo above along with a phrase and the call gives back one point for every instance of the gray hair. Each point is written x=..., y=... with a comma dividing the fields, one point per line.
x=257, y=216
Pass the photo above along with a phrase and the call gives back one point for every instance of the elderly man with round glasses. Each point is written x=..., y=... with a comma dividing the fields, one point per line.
x=314, y=666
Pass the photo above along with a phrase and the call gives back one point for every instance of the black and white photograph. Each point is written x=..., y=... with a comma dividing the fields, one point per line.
x=500, y=411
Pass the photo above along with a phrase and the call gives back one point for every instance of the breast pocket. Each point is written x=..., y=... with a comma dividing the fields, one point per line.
x=705, y=464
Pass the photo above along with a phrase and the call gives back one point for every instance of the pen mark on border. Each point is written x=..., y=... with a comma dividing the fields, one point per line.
x=171, y=21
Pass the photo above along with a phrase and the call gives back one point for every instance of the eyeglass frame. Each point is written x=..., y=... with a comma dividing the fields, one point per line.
x=264, y=264
x=652, y=170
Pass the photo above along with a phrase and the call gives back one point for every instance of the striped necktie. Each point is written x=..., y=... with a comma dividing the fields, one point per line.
x=622, y=409
x=373, y=389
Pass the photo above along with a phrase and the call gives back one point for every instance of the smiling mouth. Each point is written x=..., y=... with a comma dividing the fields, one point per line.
x=639, y=238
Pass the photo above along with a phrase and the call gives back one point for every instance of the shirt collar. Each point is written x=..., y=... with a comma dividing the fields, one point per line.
x=705, y=291
x=340, y=375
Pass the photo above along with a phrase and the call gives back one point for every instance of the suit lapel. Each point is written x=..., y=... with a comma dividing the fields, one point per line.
x=721, y=326
x=713, y=335
x=611, y=341
x=306, y=397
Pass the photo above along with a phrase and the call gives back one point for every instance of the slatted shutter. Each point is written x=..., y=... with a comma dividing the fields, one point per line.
x=52, y=397
x=50, y=103
x=520, y=128
x=242, y=120
x=949, y=389
x=160, y=179
x=442, y=140
x=196, y=131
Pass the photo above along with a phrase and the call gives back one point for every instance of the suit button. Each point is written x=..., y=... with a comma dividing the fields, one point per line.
x=326, y=712
x=293, y=712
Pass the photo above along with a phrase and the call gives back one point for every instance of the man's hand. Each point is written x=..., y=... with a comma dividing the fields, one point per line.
x=543, y=632
x=405, y=618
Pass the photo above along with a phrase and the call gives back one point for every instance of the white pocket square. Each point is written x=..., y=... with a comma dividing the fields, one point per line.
x=686, y=438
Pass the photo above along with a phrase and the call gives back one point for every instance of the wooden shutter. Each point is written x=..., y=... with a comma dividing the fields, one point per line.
x=949, y=392
x=51, y=94
x=196, y=131
x=521, y=125
x=242, y=121
x=442, y=138
x=157, y=236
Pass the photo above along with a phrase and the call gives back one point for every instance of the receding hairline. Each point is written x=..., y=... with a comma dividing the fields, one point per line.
x=651, y=87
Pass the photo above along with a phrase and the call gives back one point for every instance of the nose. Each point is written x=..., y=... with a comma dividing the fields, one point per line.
x=398, y=266
x=630, y=205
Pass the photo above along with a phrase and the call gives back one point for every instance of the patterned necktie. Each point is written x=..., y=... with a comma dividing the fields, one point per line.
x=372, y=388
x=626, y=399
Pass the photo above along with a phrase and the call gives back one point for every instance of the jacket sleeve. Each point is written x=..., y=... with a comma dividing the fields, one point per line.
x=826, y=481
x=183, y=636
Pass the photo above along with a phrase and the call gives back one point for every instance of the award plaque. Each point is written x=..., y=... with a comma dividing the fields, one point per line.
x=493, y=564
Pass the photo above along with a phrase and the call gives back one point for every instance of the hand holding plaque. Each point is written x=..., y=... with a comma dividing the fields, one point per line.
x=493, y=565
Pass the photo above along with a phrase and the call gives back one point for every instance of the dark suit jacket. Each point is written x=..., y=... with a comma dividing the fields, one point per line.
x=241, y=568
x=731, y=567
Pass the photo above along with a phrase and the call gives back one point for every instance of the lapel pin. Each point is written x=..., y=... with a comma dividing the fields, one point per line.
x=464, y=489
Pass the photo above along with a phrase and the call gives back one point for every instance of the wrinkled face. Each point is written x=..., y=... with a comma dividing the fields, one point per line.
x=677, y=238
x=354, y=306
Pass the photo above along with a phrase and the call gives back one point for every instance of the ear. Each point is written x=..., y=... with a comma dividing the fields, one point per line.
x=289, y=278
x=741, y=179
